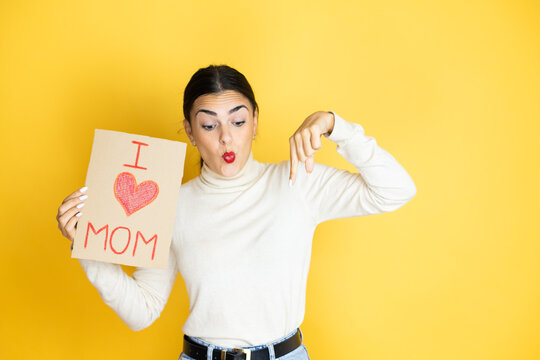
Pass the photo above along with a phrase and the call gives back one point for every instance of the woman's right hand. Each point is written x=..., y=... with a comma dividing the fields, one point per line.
x=69, y=213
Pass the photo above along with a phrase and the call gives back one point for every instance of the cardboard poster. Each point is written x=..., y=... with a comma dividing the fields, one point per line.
x=133, y=185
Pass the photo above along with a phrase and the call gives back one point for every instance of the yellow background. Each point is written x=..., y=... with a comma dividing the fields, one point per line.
x=450, y=88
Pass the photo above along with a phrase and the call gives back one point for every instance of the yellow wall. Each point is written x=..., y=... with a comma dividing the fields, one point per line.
x=451, y=89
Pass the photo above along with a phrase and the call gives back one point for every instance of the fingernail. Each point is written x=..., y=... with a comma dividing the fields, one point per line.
x=83, y=189
x=83, y=197
x=80, y=205
x=290, y=182
x=78, y=214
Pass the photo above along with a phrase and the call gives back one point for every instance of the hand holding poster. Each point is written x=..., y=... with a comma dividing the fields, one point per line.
x=133, y=184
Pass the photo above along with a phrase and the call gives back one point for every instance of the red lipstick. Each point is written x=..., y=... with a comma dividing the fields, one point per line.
x=229, y=157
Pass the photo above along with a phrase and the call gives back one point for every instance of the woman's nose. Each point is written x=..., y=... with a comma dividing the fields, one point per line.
x=225, y=137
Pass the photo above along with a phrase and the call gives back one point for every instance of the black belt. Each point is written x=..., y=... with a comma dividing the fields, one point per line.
x=198, y=351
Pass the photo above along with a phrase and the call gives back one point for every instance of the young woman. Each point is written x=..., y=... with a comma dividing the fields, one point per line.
x=243, y=229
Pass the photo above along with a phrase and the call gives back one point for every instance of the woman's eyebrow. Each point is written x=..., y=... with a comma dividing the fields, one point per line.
x=209, y=112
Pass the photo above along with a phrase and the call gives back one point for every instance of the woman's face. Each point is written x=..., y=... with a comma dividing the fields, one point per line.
x=222, y=127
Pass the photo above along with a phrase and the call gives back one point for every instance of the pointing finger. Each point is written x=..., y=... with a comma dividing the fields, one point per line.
x=294, y=162
x=299, y=147
x=306, y=143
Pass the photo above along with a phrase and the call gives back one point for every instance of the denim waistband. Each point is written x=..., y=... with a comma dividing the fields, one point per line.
x=255, y=347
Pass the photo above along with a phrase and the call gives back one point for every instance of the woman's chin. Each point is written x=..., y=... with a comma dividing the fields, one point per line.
x=229, y=170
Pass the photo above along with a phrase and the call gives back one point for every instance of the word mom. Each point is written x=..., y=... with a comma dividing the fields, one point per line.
x=124, y=234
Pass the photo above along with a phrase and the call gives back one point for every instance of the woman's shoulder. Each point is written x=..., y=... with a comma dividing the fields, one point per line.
x=189, y=186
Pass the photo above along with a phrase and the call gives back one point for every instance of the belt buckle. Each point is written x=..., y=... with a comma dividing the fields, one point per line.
x=237, y=351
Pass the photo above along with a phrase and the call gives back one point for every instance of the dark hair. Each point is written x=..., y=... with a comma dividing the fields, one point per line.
x=215, y=79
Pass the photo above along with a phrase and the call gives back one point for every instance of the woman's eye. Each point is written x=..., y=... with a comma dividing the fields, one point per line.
x=239, y=123
x=208, y=127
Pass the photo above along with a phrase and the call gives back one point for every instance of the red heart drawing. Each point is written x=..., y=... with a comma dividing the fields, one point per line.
x=131, y=196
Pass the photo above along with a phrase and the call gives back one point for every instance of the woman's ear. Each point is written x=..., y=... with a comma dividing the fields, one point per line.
x=187, y=127
x=255, y=116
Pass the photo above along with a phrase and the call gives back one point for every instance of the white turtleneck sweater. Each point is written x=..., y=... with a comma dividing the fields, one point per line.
x=243, y=243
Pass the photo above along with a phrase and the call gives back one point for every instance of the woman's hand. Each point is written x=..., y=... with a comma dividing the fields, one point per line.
x=307, y=140
x=69, y=212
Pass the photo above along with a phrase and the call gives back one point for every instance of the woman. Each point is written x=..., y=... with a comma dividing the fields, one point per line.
x=243, y=229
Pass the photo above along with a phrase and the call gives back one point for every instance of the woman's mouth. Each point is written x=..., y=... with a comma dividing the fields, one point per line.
x=229, y=157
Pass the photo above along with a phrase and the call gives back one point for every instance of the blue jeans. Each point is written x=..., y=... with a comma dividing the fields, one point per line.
x=300, y=353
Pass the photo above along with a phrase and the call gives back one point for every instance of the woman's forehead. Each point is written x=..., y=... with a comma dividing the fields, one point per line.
x=223, y=98
x=223, y=103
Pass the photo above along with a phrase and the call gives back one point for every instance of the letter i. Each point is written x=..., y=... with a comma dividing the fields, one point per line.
x=136, y=166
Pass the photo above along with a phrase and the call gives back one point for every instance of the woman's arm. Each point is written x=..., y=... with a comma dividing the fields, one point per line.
x=381, y=184
x=137, y=300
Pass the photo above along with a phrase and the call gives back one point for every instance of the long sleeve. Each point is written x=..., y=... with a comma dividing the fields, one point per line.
x=137, y=300
x=381, y=184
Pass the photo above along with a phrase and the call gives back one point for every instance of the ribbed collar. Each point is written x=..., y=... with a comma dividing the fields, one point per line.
x=245, y=177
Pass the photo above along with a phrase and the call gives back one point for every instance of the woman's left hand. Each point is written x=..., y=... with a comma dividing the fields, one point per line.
x=307, y=140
